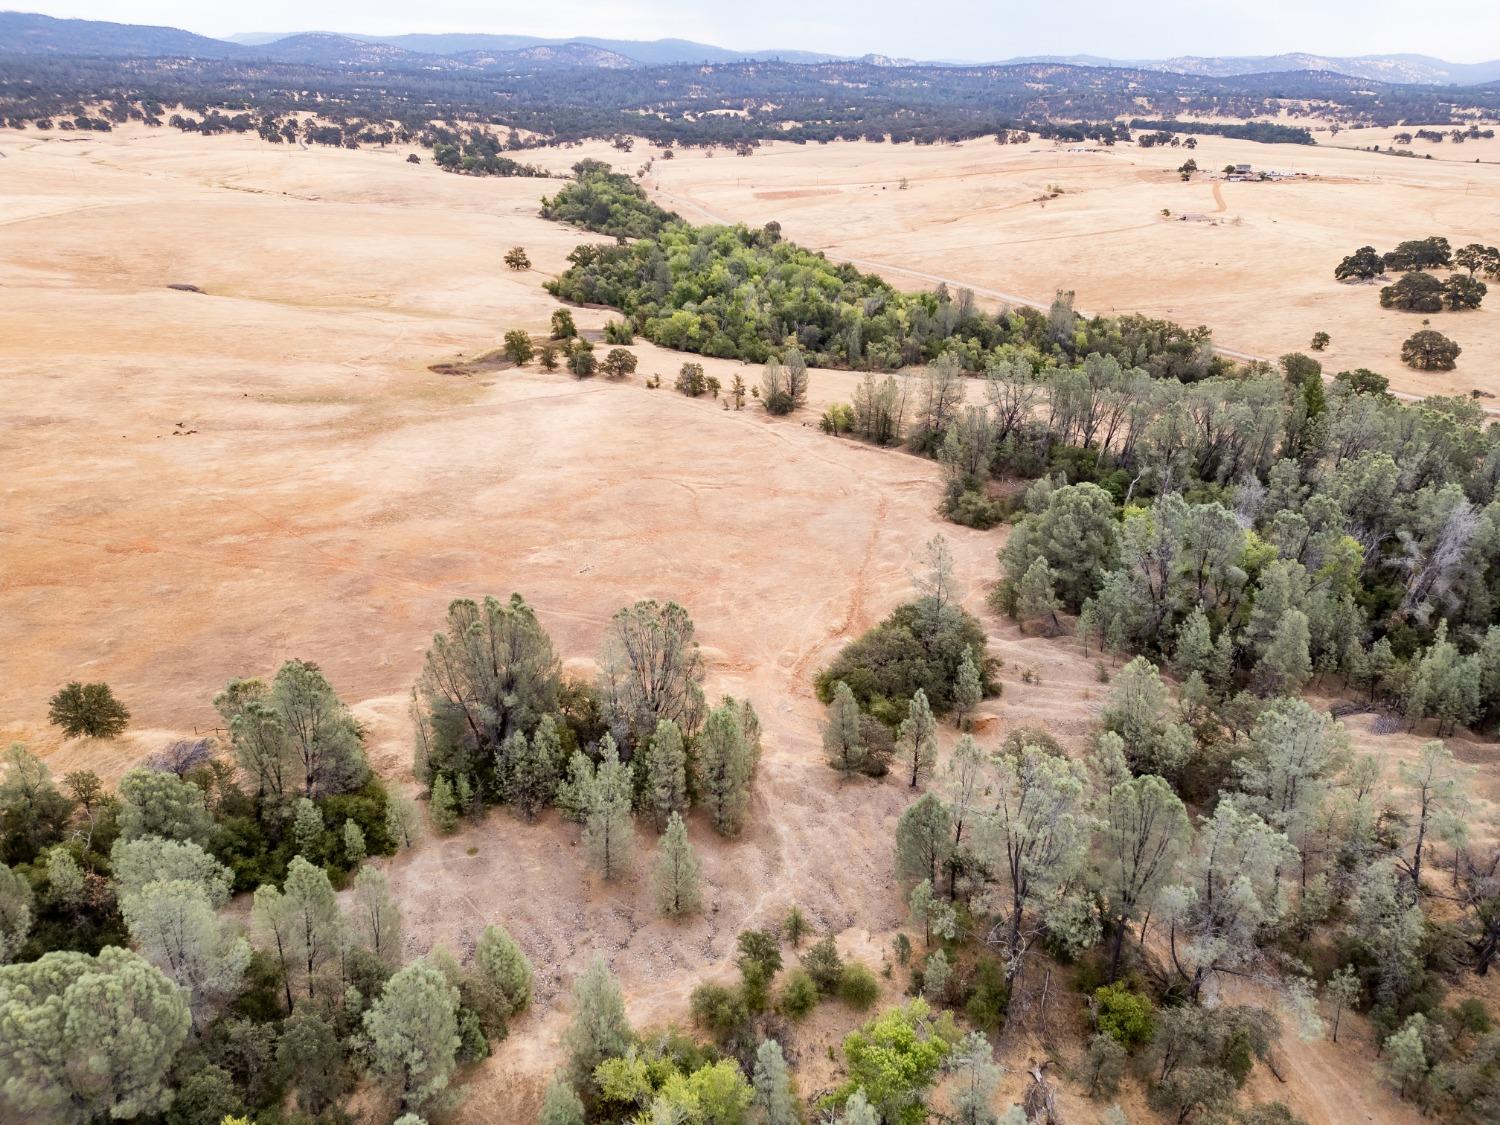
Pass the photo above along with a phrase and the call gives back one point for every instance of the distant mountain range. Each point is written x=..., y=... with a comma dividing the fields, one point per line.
x=25, y=33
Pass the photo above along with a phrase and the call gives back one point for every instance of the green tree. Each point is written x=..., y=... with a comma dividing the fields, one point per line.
x=174, y=926
x=1076, y=534
x=1286, y=664
x=1138, y=712
x=608, y=831
x=895, y=1059
x=724, y=766
x=1344, y=991
x=500, y=984
x=1461, y=293
x=582, y=361
x=443, y=808
x=517, y=259
x=651, y=669
x=773, y=1086
x=518, y=347
x=619, y=363
x=917, y=740
x=976, y=1078
x=677, y=874
x=116, y=1011
x=598, y=1029
x=310, y=1059
x=309, y=916
x=924, y=835
x=1430, y=351
x=208, y=1097
x=1143, y=831
x=665, y=789
x=16, y=913
x=547, y=356
x=1438, y=787
x=1036, y=597
x=307, y=829
x=563, y=327
x=1413, y=292
x=561, y=1105
x=843, y=742
x=162, y=804
x=1406, y=1055
x=375, y=920
x=413, y=1032
x=33, y=814
x=354, y=844
x=968, y=688
x=1362, y=265
x=88, y=711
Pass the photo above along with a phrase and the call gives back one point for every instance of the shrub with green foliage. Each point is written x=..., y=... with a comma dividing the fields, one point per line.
x=1123, y=1014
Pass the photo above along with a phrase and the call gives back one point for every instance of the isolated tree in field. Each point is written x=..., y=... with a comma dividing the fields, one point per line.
x=843, y=744
x=16, y=913
x=1430, y=351
x=1187, y=169
x=650, y=670
x=917, y=739
x=1036, y=596
x=86, y=1038
x=174, y=926
x=1143, y=832
x=374, y=919
x=619, y=363
x=563, y=327
x=88, y=711
x=724, y=764
x=517, y=259
x=773, y=1086
x=1320, y=341
x=924, y=839
x=499, y=986
x=608, y=831
x=737, y=392
x=413, y=1033
x=691, y=381
x=582, y=361
x=518, y=347
x=547, y=356
x=1362, y=265
x=598, y=1030
x=666, y=775
x=161, y=804
x=677, y=874
x=1438, y=800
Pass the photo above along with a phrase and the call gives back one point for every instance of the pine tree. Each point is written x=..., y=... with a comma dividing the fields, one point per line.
x=918, y=739
x=500, y=984
x=354, y=844
x=375, y=919
x=1036, y=596
x=413, y=1032
x=935, y=976
x=665, y=775
x=442, y=808
x=859, y=1111
x=773, y=1086
x=1286, y=665
x=174, y=926
x=968, y=689
x=598, y=1030
x=724, y=765
x=316, y=925
x=402, y=822
x=89, y=1038
x=977, y=1076
x=608, y=831
x=678, y=878
x=1194, y=650
x=923, y=839
x=842, y=741
x=1406, y=1054
x=307, y=829
x=1344, y=990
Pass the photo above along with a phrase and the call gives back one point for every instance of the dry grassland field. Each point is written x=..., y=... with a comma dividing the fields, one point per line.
x=201, y=485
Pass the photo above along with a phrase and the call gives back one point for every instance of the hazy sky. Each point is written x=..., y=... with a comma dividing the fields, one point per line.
x=1461, y=30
